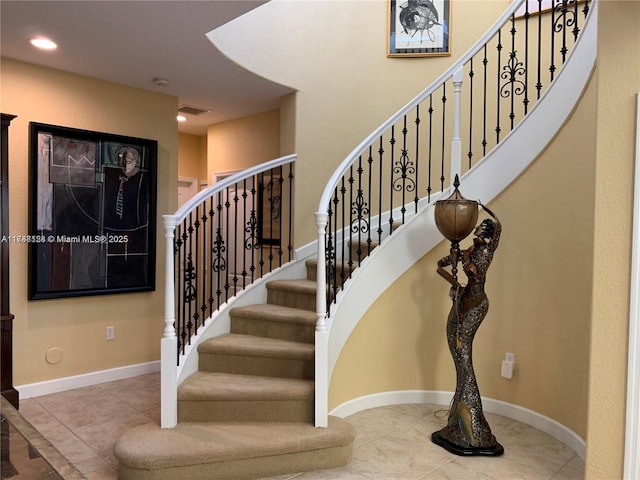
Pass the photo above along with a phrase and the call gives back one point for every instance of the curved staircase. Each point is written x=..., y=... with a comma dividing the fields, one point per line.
x=248, y=410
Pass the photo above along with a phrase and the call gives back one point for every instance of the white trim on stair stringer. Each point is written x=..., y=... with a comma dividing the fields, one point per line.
x=484, y=182
x=489, y=405
x=86, y=379
x=632, y=430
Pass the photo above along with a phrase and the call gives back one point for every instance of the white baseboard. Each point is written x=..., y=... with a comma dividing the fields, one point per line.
x=521, y=414
x=86, y=380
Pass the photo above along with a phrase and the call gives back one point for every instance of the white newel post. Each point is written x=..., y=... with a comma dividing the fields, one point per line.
x=456, y=140
x=322, y=337
x=168, y=344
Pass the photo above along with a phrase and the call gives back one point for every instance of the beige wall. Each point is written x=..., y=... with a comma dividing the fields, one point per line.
x=539, y=293
x=192, y=156
x=618, y=82
x=243, y=143
x=77, y=325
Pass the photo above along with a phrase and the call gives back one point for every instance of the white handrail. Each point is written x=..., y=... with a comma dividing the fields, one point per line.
x=182, y=212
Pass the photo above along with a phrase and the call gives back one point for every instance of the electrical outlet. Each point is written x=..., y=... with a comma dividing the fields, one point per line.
x=508, y=365
x=111, y=334
x=507, y=369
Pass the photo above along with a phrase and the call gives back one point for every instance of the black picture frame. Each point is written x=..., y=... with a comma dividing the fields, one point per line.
x=418, y=28
x=92, y=212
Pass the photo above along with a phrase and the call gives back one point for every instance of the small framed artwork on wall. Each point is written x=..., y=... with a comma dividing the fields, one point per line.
x=418, y=28
x=92, y=213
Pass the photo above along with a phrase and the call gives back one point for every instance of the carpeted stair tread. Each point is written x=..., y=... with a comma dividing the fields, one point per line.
x=249, y=345
x=304, y=286
x=225, y=386
x=231, y=450
x=300, y=293
x=277, y=313
x=274, y=321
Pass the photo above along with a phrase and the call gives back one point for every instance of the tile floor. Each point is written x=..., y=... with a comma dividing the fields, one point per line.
x=392, y=444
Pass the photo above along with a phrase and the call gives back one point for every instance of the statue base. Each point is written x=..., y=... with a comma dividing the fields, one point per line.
x=492, y=451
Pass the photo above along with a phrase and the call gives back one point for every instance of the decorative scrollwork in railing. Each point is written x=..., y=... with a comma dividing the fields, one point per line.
x=513, y=69
x=190, y=292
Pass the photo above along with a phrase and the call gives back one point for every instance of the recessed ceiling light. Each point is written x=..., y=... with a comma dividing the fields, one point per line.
x=181, y=118
x=43, y=43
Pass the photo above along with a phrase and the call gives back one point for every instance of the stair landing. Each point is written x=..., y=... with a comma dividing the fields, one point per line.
x=232, y=451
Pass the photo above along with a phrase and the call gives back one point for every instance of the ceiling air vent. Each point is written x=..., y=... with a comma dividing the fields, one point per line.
x=192, y=110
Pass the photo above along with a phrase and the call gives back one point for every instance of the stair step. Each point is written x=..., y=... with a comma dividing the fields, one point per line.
x=231, y=451
x=261, y=356
x=274, y=321
x=342, y=266
x=292, y=293
x=223, y=397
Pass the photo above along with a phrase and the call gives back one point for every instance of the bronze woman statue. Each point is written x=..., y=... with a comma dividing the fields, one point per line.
x=467, y=431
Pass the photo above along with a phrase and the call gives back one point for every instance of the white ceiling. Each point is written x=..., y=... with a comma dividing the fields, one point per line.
x=131, y=42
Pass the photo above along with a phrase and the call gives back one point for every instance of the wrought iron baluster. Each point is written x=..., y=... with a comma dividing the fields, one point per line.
x=380, y=183
x=442, y=154
x=336, y=201
x=290, y=233
x=251, y=244
x=539, y=82
x=261, y=188
x=279, y=217
x=204, y=281
x=236, y=216
x=244, y=233
x=350, y=223
x=361, y=209
x=514, y=64
x=525, y=101
x=196, y=249
x=189, y=289
x=268, y=190
x=416, y=197
x=564, y=20
x=430, y=153
x=471, y=75
x=392, y=143
x=178, y=266
x=369, y=194
x=210, y=276
x=552, y=66
x=226, y=230
x=218, y=253
x=510, y=73
x=485, y=62
x=343, y=230
x=499, y=50
x=576, y=25
x=404, y=168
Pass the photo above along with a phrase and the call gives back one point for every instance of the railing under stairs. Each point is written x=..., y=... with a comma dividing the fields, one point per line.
x=445, y=130
x=217, y=244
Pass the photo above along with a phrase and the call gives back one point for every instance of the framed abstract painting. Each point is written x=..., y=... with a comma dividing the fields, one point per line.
x=418, y=28
x=92, y=209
